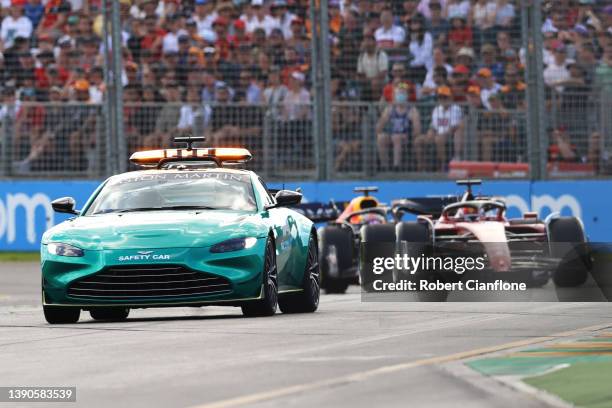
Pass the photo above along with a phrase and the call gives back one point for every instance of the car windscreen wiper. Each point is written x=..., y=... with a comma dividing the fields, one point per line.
x=165, y=208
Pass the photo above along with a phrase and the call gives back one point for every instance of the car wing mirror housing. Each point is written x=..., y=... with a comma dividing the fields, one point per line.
x=64, y=205
x=287, y=198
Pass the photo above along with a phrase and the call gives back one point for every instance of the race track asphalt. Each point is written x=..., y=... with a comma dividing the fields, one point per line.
x=349, y=354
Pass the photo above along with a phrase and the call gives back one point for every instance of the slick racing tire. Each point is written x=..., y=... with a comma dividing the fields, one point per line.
x=412, y=238
x=61, y=314
x=306, y=301
x=268, y=304
x=380, y=242
x=573, y=268
x=341, y=240
x=112, y=314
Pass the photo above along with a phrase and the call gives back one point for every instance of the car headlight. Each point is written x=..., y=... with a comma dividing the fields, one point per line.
x=234, y=244
x=57, y=248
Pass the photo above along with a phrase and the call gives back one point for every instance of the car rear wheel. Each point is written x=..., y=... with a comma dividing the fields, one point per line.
x=268, y=304
x=379, y=240
x=61, y=314
x=572, y=270
x=113, y=314
x=306, y=301
x=336, y=252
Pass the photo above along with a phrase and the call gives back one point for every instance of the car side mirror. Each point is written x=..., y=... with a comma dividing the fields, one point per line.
x=287, y=198
x=64, y=205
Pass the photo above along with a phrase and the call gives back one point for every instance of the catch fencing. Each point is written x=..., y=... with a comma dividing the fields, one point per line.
x=369, y=140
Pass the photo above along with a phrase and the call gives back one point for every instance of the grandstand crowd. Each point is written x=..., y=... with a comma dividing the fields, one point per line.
x=200, y=65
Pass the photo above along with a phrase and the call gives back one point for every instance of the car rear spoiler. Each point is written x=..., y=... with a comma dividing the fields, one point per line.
x=422, y=205
x=321, y=212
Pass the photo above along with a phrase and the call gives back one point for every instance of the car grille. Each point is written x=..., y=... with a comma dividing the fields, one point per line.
x=134, y=281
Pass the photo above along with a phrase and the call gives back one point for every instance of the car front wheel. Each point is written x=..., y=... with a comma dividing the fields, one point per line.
x=268, y=304
x=114, y=314
x=61, y=314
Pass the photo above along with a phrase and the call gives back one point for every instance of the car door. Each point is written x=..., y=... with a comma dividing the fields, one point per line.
x=279, y=221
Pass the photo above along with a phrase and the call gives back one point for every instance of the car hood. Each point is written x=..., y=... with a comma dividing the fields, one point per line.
x=156, y=229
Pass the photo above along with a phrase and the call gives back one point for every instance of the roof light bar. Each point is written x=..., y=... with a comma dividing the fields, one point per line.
x=222, y=154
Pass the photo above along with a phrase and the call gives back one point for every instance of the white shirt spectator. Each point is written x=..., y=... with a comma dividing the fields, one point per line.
x=13, y=28
x=204, y=26
x=393, y=37
x=296, y=105
x=170, y=41
x=555, y=73
x=504, y=14
x=284, y=22
x=193, y=116
x=461, y=9
x=268, y=24
x=485, y=15
x=96, y=95
x=444, y=119
x=486, y=93
x=422, y=53
x=372, y=65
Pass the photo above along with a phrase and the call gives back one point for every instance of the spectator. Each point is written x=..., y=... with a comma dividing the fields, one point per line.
x=248, y=89
x=34, y=10
x=80, y=127
x=398, y=126
x=15, y=24
x=439, y=61
x=439, y=78
x=437, y=25
x=204, y=16
x=446, y=127
x=426, y=7
x=603, y=72
x=275, y=93
x=457, y=9
x=284, y=18
x=488, y=86
x=400, y=78
x=372, y=67
x=513, y=92
x=296, y=103
x=421, y=49
x=460, y=34
x=192, y=115
x=497, y=142
x=561, y=148
x=489, y=60
x=259, y=18
x=556, y=73
x=504, y=14
x=389, y=35
x=465, y=57
x=167, y=118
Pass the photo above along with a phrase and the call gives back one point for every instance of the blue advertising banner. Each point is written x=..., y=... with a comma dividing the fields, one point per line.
x=25, y=206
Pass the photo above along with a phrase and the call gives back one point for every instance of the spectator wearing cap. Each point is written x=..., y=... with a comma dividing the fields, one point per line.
x=437, y=25
x=556, y=72
x=240, y=36
x=372, y=67
x=399, y=125
x=34, y=10
x=488, y=86
x=259, y=18
x=389, y=35
x=473, y=98
x=15, y=24
x=446, y=128
x=204, y=16
x=421, y=47
x=296, y=104
x=80, y=127
x=465, y=56
x=459, y=82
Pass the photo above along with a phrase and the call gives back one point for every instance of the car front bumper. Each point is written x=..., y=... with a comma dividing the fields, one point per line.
x=153, y=277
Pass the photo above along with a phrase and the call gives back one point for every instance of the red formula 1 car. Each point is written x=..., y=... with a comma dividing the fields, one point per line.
x=526, y=249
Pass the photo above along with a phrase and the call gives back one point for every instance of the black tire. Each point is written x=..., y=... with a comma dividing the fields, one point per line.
x=380, y=240
x=61, y=314
x=342, y=240
x=306, y=301
x=412, y=238
x=268, y=304
x=111, y=314
x=573, y=268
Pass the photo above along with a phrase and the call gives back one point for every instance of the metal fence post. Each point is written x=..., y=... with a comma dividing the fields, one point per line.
x=537, y=140
x=5, y=169
x=471, y=143
x=118, y=86
x=266, y=144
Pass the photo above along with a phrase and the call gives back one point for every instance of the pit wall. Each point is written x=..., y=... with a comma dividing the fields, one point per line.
x=25, y=206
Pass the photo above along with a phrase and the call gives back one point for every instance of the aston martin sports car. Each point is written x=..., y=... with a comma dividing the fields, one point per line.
x=191, y=230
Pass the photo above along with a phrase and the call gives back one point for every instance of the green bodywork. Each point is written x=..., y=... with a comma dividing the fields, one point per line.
x=183, y=238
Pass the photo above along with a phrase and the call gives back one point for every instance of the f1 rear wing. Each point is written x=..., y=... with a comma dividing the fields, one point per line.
x=321, y=212
x=422, y=205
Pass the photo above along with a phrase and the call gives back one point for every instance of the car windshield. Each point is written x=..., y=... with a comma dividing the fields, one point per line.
x=211, y=190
